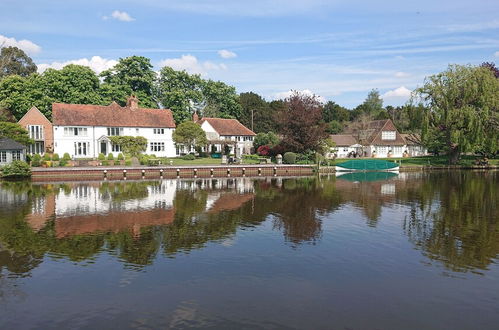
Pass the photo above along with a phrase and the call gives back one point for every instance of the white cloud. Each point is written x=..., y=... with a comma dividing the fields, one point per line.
x=401, y=74
x=398, y=95
x=496, y=54
x=26, y=45
x=120, y=16
x=224, y=53
x=308, y=92
x=490, y=25
x=96, y=63
x=191, y=64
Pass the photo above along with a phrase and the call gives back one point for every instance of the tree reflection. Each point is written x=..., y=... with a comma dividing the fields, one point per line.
x=451, y=217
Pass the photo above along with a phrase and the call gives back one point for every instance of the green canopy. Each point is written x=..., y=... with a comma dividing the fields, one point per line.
x=367, y=165
x=367, y=176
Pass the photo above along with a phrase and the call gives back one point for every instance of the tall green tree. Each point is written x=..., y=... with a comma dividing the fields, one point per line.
x=190, y=135
x=373, y=103
x=333, y=111
x=15, y=132
x=14, y=61
x=221, y=100
x=132, y=75
x=462, y=109
x=256, y=113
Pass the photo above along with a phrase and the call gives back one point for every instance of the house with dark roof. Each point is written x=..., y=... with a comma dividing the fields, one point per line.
x=83, y=130
x=222, y=132
x=39, y=129
x=377, y=138
x=11, y=150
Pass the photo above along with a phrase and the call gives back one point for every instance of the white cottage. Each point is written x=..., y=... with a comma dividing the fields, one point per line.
x=83, y=131
x=227, y=132
x=377, y=138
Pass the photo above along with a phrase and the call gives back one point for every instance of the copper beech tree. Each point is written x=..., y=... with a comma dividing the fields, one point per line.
x=300, y=123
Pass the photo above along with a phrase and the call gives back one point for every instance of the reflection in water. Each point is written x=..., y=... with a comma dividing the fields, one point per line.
x=451, y=217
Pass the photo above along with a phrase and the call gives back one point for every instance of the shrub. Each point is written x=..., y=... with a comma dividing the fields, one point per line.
x=46, y=157
x=16, y=169
x=188, y=157
x=55, y=157
x=289, y=158
x=101, y=157
x=110, y=157
x=105, y=163
x=35, y=161
x=66, y=157
x=276, y=150
x=63, y=162
x=263, y=150
x=120, y=156
x=128, y=163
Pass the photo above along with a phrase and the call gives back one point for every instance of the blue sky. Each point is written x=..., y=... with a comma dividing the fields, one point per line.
x=336, y=49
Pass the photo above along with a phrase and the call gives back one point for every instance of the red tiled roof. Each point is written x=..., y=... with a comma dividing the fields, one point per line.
x=384, y=125
x=227, y=126
x=111, y=115
x=343, y=139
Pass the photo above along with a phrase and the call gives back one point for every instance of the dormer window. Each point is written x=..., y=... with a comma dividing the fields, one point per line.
x=388, y=135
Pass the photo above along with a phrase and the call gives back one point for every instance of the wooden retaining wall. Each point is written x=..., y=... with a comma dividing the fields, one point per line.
x=168, y=172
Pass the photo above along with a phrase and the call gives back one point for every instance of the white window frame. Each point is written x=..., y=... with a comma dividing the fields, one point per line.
x=36, y=132
x=388, y=135
x=115, y=131
x=81, y=149
x=16, y=154
x=159, y=131
x=3, y=156
x=157, y=146
x=75, y=131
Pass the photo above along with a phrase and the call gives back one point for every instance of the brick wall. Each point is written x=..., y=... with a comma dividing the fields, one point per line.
x=35, y=117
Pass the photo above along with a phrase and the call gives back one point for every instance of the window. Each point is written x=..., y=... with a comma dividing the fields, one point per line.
x=157, y=146
x=115, y=147
x=137, y=131
x=114, y=131
x=16, y=155
x=388, y=135
x=159, y=131
x=37, y=148
x=75, y=131
x=81, y=148
x=3, y=156
x=35, y=132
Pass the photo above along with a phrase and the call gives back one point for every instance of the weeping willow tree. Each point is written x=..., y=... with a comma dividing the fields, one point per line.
x=461, y=112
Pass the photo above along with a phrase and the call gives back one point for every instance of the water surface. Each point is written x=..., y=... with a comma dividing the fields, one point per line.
x=408, y=251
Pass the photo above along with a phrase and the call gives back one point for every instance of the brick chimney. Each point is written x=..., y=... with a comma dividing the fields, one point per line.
x=195, y=117
x=132, y=102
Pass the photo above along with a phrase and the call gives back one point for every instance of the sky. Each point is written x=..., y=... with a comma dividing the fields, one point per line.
x=337, y=49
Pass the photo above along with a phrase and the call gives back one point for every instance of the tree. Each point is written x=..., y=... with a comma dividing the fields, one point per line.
x=190, y=134
x=265, y=139
x=180, y=92
x=492, y=67
x=132, y=75
x=462, y=110
x=256, y=113
x=336, y=112
x=14, y=61
x=72, y=84
x=15, y=132
x=130, y=145
x=300, y=123
x=334, y=127
x=373, y=103
x=220, y=99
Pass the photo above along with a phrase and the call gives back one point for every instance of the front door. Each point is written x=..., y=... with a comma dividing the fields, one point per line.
x=103, y=148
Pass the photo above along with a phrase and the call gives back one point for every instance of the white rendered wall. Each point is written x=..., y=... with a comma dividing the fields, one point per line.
x=65, y=144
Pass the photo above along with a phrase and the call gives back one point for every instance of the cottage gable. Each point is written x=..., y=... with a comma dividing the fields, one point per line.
x=228, y=127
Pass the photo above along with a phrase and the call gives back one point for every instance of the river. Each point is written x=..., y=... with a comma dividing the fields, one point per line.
x=361, y=251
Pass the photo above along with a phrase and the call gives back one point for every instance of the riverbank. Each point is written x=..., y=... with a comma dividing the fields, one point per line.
x=205, y=171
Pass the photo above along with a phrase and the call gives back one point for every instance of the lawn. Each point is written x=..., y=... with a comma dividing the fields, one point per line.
x=201, y=161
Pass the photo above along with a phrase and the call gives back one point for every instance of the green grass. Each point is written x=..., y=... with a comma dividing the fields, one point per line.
x=200, y=161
